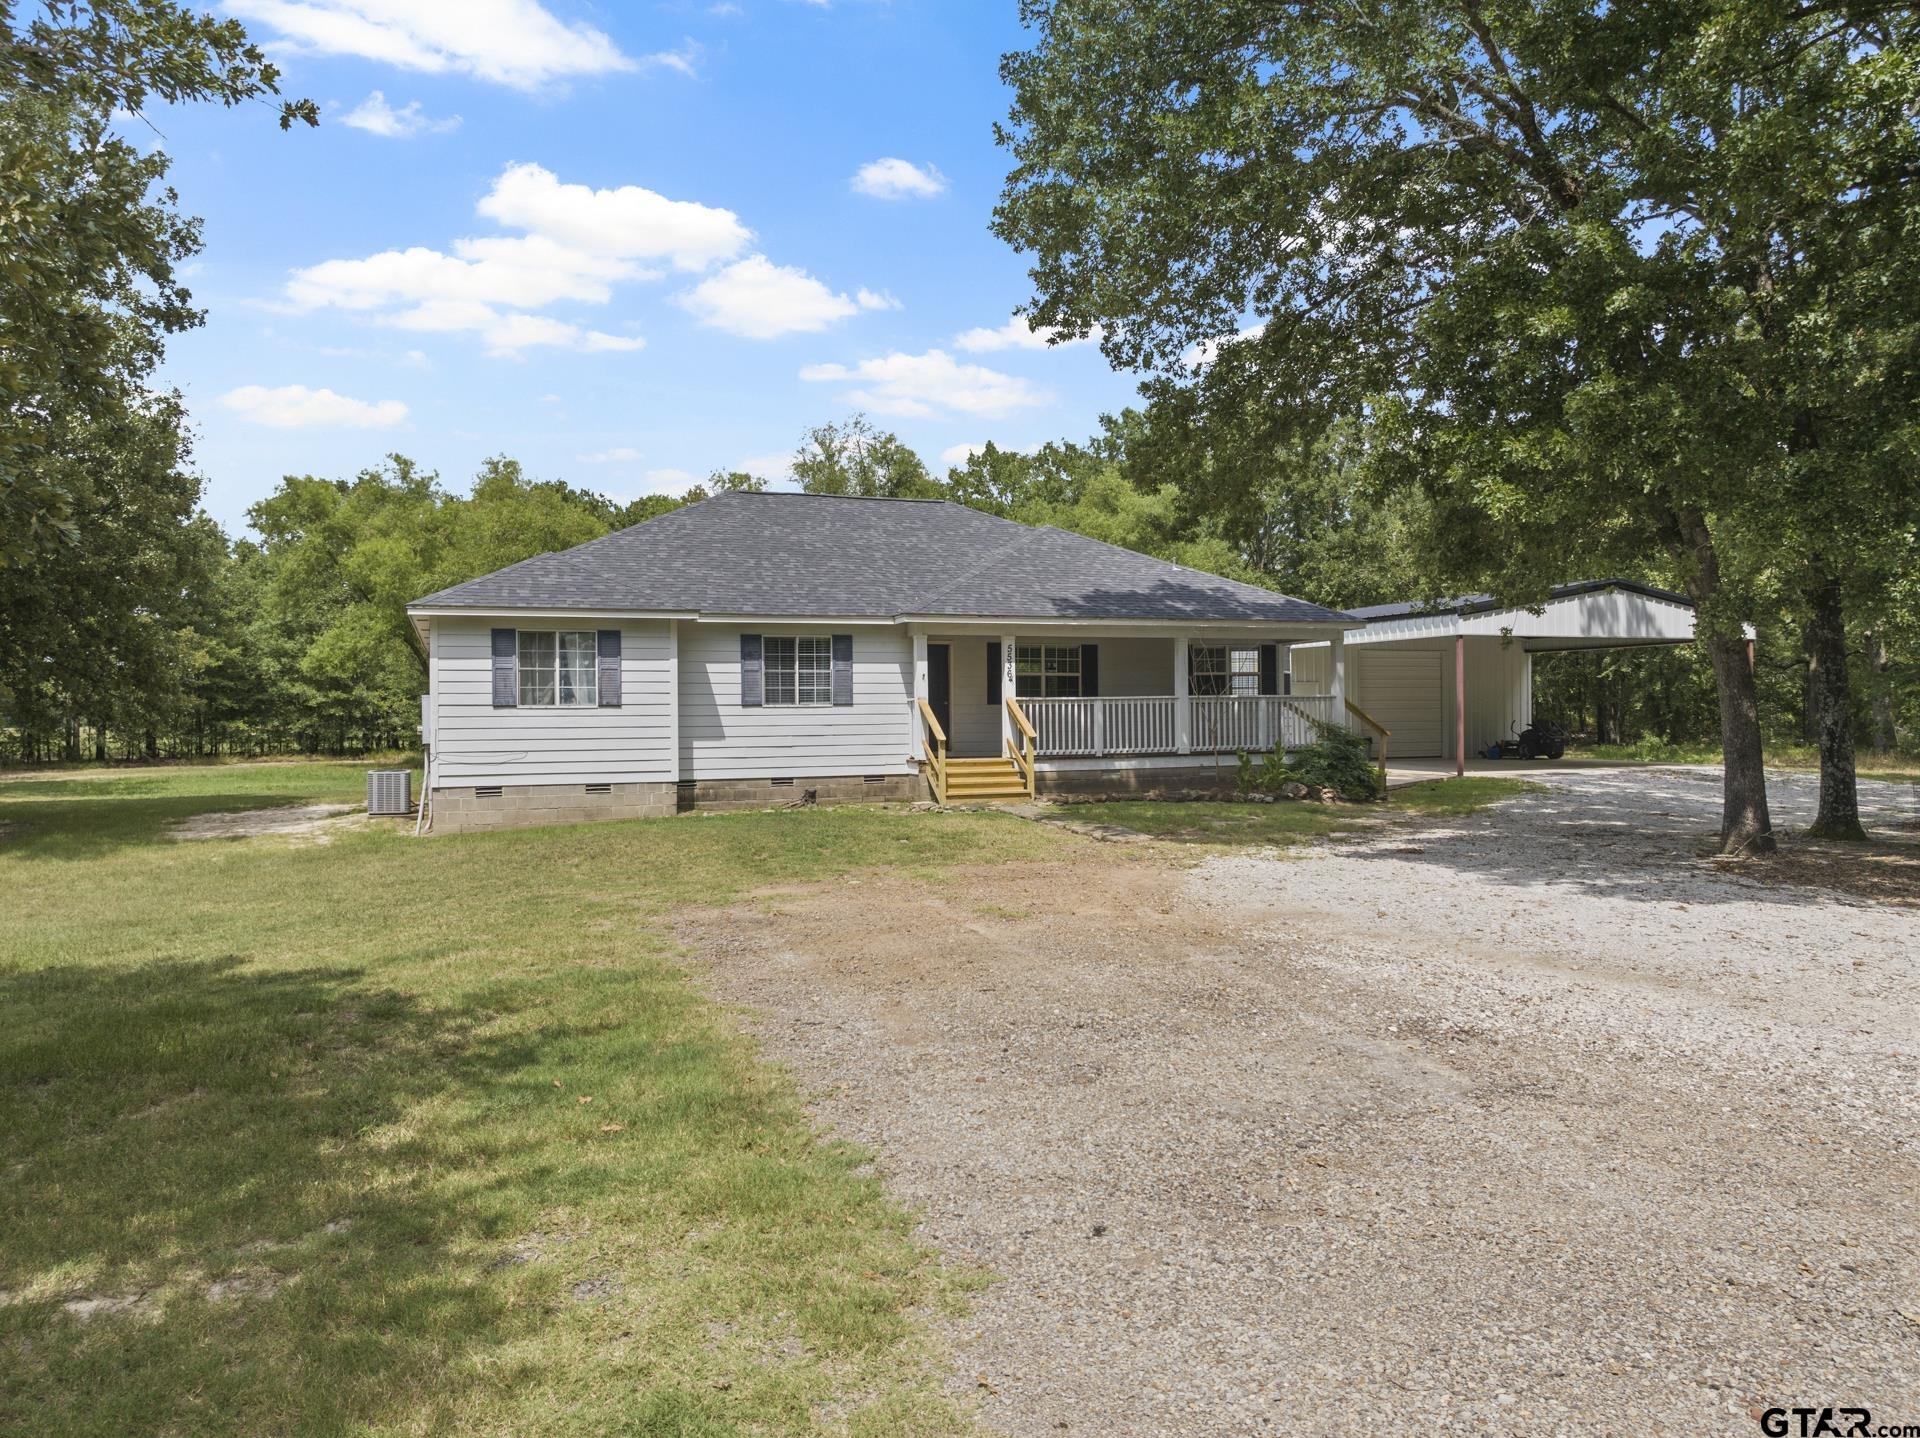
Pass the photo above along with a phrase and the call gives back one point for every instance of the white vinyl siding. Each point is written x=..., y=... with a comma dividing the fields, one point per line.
x=720, y=739
x=477, y=744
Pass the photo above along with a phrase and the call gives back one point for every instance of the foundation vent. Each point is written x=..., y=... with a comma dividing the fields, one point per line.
x=873, y=778
x=488, y=791
x=599, y=788
x=782, y=783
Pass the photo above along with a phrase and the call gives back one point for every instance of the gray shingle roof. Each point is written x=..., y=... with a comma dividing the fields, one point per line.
x=774, y=555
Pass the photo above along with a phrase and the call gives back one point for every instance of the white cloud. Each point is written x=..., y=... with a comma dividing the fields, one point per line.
x=894, y=179
x=619, y=454
x=767, y=466
x=666, y=481
x=627, y=223
x=725, y=10
x=377, y=117
x=959, y=453
x=1017, y=334
x=510, y=332
x=760, y=300
x=294, y=406
x=578, y=244
x=923, y=385
x=685, y=60
x=510, y=42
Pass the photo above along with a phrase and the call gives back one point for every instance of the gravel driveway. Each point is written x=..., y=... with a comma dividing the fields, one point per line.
x=1535, y=1122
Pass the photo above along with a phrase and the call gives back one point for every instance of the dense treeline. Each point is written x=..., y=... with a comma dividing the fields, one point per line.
x=157, y=637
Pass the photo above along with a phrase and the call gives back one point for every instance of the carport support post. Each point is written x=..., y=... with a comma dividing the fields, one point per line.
x=1459, y=706
x=1337, y=678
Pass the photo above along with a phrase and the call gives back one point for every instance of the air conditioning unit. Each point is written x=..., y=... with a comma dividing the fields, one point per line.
x=389, y=791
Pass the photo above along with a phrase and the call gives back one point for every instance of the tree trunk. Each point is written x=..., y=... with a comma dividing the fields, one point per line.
x=1832, y=703
x=1746, y=827
x=152, y=744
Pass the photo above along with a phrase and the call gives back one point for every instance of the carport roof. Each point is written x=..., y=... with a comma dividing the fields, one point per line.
x=1486, y=603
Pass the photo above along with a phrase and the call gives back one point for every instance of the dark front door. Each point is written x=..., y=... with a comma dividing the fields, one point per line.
x=940, y=687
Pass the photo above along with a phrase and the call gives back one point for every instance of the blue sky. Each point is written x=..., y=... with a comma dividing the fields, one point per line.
x=623, y=244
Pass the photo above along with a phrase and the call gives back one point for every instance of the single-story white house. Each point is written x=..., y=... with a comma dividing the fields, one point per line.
x=746, y=649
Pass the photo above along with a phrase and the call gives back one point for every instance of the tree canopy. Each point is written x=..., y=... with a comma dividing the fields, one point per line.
x=1604, y=281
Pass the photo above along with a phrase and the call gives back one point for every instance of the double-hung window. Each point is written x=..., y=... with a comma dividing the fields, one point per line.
x=1046, y=671
x=559, y=667
x=799, y=669
x=1218, y=670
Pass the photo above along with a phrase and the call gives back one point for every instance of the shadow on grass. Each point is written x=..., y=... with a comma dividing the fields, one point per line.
x=220, y=1206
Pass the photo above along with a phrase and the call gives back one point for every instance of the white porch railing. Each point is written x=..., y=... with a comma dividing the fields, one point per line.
x=1103, y=726
x=1129, y=725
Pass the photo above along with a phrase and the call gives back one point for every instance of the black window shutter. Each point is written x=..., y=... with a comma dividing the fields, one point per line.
x=994, y=661
x=1269, y=668
x=843, y=669
x=506, y=668
x=609, y=668
x=1089, y=671
x=753, y=691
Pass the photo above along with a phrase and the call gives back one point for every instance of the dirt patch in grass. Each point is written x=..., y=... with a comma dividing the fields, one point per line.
x=316, y=822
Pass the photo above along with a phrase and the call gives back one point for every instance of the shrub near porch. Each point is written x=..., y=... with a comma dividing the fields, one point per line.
x=382, y=1136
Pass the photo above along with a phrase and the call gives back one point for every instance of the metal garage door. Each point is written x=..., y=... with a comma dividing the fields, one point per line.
x=1402, y=690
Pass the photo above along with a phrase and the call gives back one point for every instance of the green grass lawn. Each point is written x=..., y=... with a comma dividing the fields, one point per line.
x=394, y=1136
x=1296, y=822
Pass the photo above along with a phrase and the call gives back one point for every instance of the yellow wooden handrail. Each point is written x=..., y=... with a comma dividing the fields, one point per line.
x=1022, y=753
x=1020, y=717
x=933, y=721
x=936, y=751
x=1373, y=724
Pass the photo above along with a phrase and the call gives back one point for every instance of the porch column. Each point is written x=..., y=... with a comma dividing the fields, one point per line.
x=1007, y=673
x=1337, y=677
x=1459, y=705
x=1182, y=701
x=918, y=730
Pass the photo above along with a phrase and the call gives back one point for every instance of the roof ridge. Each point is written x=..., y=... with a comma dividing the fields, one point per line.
x=882, y=498
x=1183, y=568
x=1027, y=536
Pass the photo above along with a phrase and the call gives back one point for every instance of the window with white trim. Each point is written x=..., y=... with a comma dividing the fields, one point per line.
x=798, y=669
x=1046, y=671
x=1218, y=670
x=560, y=668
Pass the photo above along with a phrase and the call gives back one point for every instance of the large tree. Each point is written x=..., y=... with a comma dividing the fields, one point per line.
x=1609, y=280
x=857, y=457
x=91, y=241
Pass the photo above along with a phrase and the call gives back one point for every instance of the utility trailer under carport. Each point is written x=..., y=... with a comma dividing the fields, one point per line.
x=1450, y=678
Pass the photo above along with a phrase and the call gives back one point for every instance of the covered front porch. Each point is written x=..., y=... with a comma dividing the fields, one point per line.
x=1002, y=711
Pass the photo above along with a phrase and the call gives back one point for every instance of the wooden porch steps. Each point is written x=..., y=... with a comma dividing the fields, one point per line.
x=984, y=781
